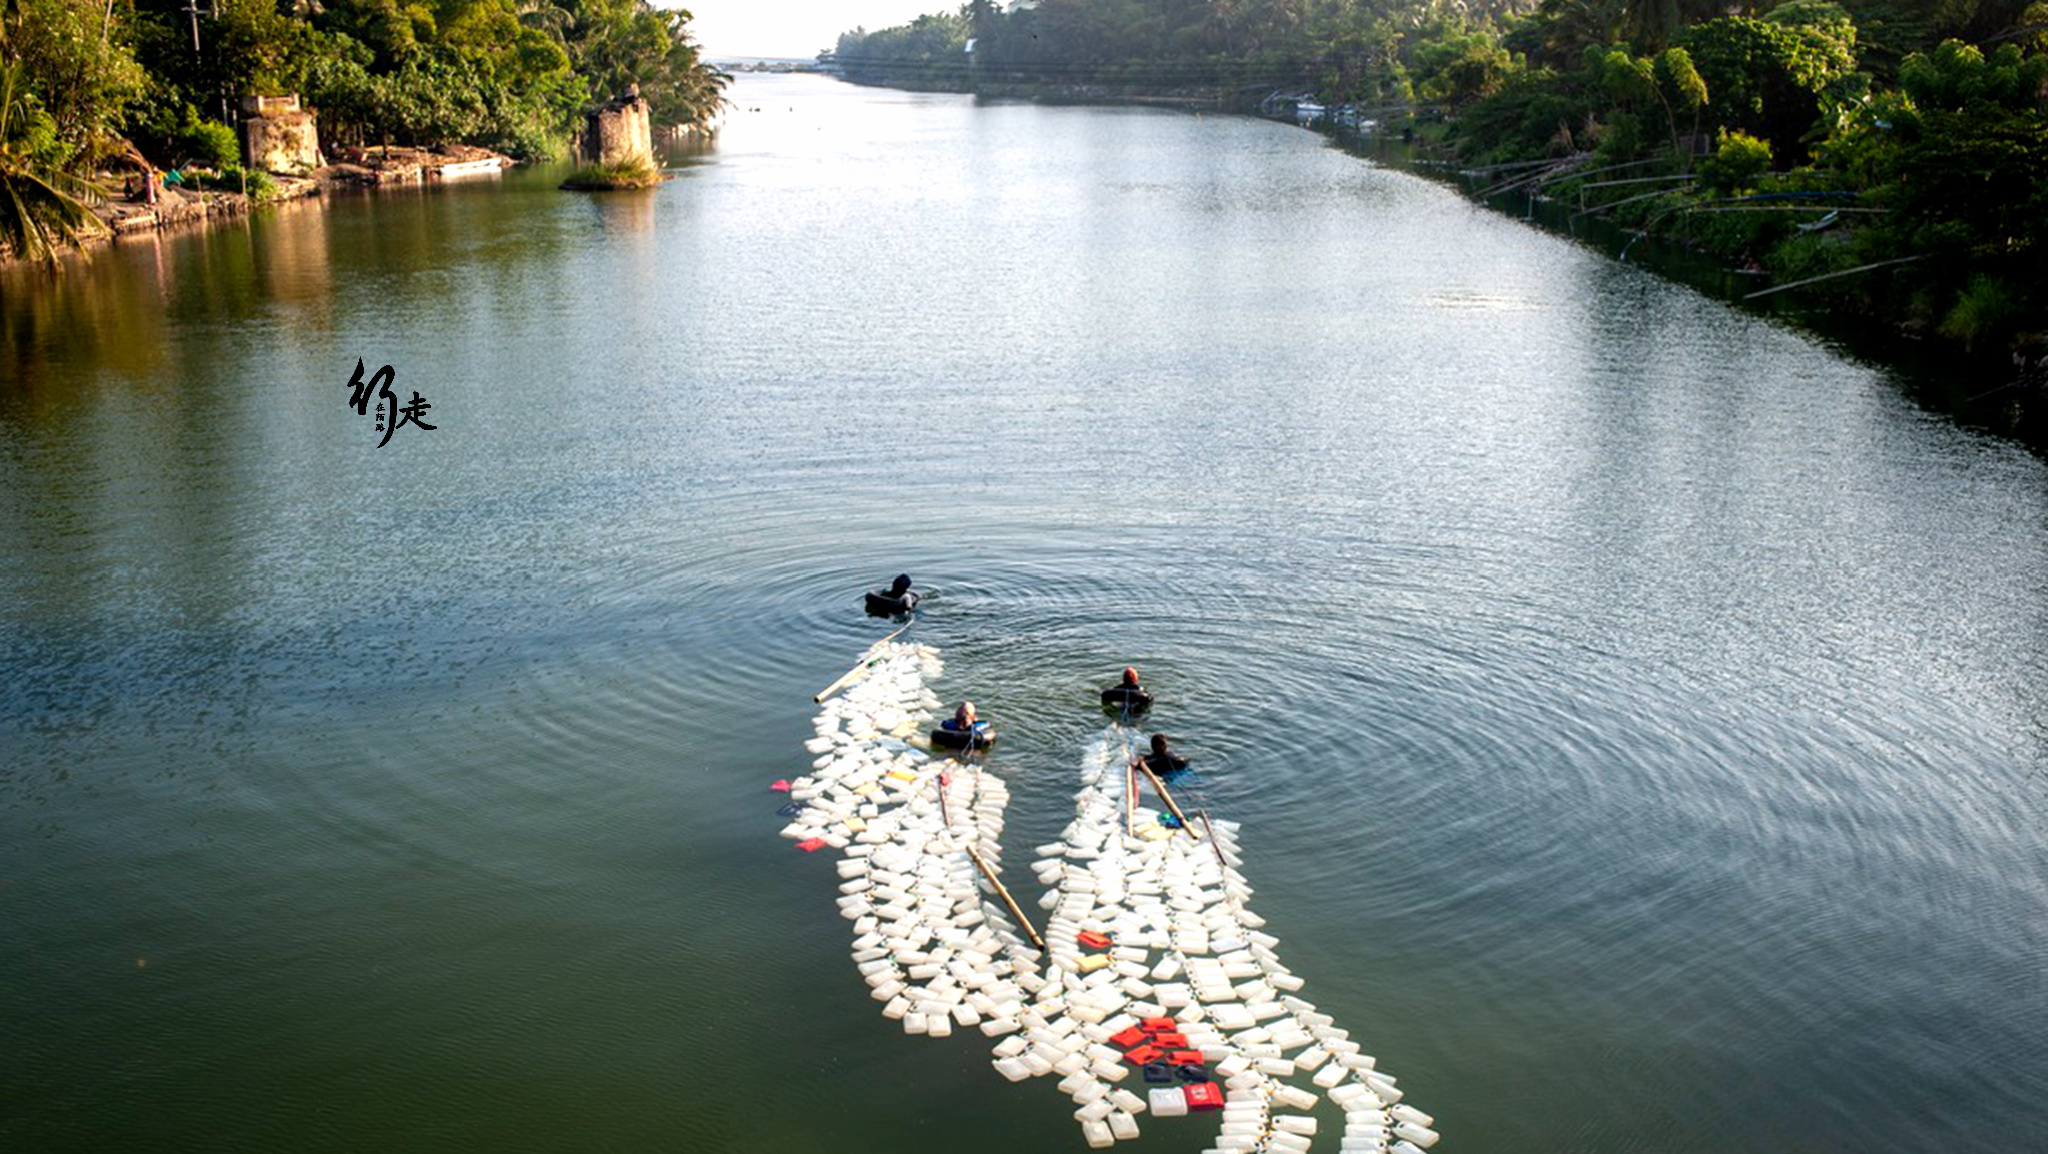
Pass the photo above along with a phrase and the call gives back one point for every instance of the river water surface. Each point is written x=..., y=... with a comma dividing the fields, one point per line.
x=1635, y=710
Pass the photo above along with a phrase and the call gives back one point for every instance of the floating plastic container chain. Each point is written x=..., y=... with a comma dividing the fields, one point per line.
x=931, y=949
x=940, y=955
x=1186, y=947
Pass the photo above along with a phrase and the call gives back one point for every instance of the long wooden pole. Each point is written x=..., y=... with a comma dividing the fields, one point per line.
x=1168, y=799
x=1009, y=901
x=857, y=670
x=1130, y=800
x=1827, y=276
x=1213, y=843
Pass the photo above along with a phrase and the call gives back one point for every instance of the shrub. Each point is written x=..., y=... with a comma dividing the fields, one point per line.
x=1737, y=164
x=207, y=142
x=1984, y=308
x=233, y=178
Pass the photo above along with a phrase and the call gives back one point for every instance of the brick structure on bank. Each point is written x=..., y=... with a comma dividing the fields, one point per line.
x=278, y=135
x=619, y=129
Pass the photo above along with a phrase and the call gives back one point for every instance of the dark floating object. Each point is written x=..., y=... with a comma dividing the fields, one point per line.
x=883, y=605
x=949, y=736
x=896, y=599
x=1127, y=700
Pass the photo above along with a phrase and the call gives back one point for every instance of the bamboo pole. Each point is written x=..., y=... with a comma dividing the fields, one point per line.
x=1168, y=799
x=1520, y=182
x=1599, y=208
x=1572, y=166
x=1781, y=208
x=1005, y=895
x=1213, y=843
x=1641, y=180
x=1130, y=800
x=1483, y=170
x=1826, y=276
x=865, y=663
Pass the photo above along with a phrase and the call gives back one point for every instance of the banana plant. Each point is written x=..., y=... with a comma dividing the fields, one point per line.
x=40, y=206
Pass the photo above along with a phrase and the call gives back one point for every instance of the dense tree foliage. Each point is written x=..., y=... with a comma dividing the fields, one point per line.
x=87, y=77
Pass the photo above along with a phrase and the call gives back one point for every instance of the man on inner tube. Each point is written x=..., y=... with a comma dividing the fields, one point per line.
x=1162, y=760
x=899, y=591
x=1128, y=698
x=963, y=720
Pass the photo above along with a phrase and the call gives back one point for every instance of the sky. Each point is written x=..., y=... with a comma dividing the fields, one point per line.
x=794, y=28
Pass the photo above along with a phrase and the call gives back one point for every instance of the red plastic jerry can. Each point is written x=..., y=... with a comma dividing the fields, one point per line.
x=1204, y=1096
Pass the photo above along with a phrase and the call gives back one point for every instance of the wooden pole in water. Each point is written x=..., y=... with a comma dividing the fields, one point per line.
x=1168, y=799
x=1009, y=901
x=857, y=670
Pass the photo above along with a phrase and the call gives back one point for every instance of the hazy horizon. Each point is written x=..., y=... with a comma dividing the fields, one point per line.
x=792, y=29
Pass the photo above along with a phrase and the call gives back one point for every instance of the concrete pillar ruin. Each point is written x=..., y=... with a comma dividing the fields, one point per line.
x=278, y=135
x=619, y=129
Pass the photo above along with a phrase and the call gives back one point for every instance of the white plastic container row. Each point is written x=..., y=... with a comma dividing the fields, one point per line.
x=1174, y=909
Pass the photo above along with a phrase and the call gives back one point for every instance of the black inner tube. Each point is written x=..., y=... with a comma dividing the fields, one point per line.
x=1126, y=698
x=889, y=603
x=1166, y=766
x=946, y=738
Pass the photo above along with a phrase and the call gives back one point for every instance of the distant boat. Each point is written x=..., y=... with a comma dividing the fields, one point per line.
x=490, y=166
x=1308, y=111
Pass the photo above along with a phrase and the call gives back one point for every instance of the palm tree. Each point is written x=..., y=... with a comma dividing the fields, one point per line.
x=39, y=207
x=546, y=15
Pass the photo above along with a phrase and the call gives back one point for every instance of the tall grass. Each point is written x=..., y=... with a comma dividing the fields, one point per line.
x=633, y=172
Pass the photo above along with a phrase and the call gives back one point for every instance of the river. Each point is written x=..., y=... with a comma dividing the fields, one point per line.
x=1635, y=708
